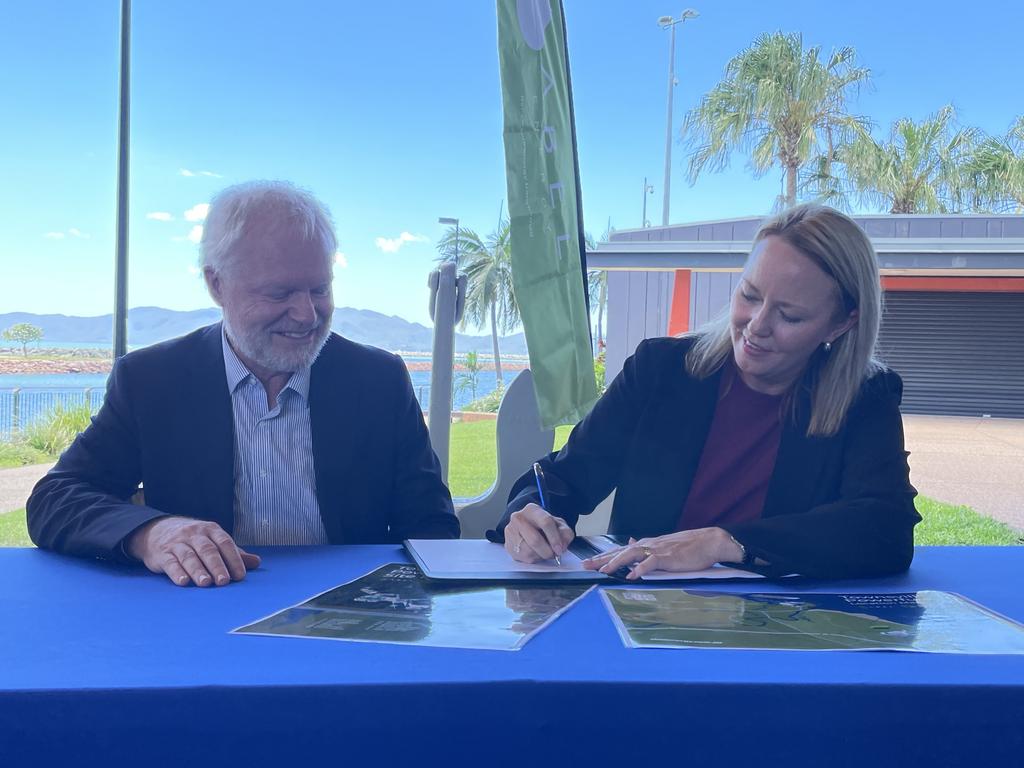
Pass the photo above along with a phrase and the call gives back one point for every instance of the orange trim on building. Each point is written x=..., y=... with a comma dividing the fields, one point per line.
x=679, y=317
x=953, y=284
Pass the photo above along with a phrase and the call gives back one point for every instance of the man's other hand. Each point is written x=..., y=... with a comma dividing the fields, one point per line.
x=190, y=552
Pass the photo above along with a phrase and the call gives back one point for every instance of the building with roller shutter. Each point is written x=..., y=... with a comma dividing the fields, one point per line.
x=953, y=320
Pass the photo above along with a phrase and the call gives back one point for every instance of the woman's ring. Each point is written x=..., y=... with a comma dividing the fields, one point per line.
x=519, y=545
x=646, y=552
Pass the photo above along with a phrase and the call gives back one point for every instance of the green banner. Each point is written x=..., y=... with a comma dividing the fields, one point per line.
x=544, y=207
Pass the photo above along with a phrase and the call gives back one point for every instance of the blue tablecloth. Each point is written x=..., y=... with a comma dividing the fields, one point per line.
x=108, y=664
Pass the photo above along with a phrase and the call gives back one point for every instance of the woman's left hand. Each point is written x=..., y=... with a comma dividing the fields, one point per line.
x=683, y=551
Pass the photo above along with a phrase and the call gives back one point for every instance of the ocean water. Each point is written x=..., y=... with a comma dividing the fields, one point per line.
x=61, y=381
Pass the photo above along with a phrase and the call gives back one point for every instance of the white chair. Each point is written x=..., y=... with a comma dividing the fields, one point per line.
x=521, y=441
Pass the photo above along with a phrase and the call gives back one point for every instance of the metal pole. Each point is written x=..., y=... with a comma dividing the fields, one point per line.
x=445, y=312
x=668, y=126
x=647, y=191
x=121, y=257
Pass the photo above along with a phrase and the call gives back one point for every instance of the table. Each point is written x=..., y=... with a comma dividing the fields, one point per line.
x=101, y=663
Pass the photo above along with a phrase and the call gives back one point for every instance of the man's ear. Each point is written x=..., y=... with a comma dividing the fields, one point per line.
x=213, y=285
x=844, y=326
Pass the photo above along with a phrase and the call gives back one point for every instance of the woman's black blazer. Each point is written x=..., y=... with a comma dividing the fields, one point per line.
x=837, y=507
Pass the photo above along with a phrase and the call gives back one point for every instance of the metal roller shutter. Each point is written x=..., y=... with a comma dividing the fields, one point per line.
x=958, y=353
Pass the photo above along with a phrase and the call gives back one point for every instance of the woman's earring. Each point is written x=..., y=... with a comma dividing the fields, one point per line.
x=828, y=346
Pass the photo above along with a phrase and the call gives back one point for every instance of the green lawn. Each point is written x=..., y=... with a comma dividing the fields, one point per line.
x=947, y=524
x=12, y=529
x=474, y=462
x=474, y=453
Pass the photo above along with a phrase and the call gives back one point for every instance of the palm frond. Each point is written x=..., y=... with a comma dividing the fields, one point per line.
x=776, y=103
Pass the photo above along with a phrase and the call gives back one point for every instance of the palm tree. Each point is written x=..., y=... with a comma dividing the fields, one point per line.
x=597, y=287
x=488, y=268
x=918, y=169
x=779, y=103
x=996, y=171
x=469, y=378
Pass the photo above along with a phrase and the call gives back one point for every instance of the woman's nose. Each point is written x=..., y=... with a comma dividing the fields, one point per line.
x=759, y=325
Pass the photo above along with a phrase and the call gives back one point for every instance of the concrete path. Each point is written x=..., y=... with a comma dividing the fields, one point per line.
x=975, y=462
x=971, y=461
x=16, y=484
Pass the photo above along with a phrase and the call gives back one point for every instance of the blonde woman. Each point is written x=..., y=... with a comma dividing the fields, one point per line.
x=770, y=438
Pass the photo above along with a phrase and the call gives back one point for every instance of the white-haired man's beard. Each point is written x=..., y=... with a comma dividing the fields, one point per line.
x=258, y=345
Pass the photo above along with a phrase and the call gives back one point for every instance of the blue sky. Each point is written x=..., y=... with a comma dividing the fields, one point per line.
x=391, y=114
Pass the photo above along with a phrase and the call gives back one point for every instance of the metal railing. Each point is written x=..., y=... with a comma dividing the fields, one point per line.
x=22, y=407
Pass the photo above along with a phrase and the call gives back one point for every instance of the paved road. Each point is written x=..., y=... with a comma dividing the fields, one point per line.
x=975, y=462
x=16, y=484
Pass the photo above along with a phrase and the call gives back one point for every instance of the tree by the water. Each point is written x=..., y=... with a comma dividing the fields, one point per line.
x=24, y=334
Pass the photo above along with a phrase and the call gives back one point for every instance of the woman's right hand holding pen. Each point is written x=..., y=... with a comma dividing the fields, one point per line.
x=533, y=535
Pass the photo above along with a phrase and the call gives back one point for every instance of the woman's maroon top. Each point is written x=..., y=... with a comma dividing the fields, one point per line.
x=738, y=459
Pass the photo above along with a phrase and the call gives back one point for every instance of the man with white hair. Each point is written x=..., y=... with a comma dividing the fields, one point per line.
x=263, y=429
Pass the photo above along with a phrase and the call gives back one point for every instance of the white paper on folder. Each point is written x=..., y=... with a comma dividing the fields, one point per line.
x=451, y=557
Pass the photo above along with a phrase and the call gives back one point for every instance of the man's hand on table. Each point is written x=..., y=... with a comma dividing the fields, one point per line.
x=190, y=552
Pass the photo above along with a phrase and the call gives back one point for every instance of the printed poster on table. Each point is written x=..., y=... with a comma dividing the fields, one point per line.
x=926, y=621
x=396, y=604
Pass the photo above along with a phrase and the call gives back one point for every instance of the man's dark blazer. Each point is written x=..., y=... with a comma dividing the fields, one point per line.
x=840, y=506
x=167, y=422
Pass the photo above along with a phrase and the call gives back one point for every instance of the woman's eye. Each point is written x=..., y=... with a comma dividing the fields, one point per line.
x=790, y=318
x=747, y=297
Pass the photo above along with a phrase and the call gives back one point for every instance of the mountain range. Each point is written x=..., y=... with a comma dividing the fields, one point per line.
x=148, y=325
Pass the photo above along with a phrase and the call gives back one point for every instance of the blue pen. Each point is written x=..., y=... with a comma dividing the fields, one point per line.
x=538, y=475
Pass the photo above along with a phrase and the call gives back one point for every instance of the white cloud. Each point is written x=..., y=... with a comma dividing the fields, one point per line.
x=159, y=216
x=73, y=232
x=341, y=259
x=197, y=212
x=196, y=234
x=392, y=244
x=186, y=172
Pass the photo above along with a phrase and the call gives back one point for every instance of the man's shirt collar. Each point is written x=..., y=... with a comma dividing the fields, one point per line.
x=237, y=372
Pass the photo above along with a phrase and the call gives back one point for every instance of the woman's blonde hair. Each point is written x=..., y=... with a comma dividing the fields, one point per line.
x=843, y=251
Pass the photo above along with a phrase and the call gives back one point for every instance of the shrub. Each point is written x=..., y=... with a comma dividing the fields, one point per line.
x=55, y=432
x=487, y=404
x=21, y=455
x=599, y=372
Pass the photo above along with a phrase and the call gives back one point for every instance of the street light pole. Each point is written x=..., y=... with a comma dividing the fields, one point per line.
x=447, y=293
x=648, y=190
x=668, y=22
x=450, y=221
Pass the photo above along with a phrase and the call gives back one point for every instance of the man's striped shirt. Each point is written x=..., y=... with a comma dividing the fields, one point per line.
x=275, y=480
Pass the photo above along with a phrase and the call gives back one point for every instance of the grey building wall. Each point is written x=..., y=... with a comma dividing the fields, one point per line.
x=639, y=304
x=709, y=294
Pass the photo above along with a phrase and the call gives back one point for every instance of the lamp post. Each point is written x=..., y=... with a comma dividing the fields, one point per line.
x=452, y=223
x=447, y=293
x=648, y=190
x=668, y=22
